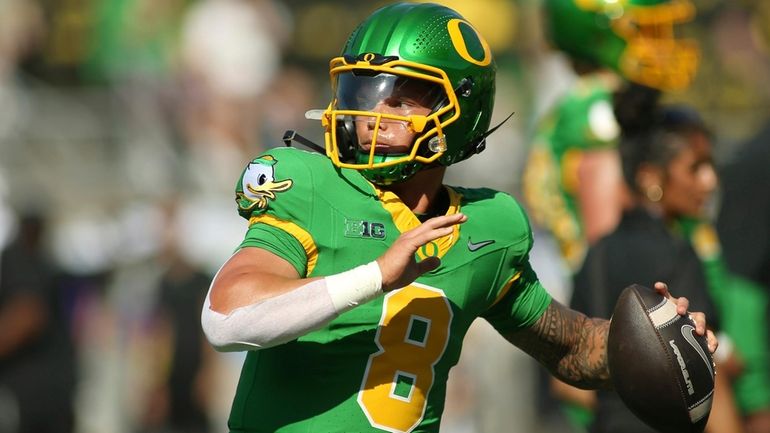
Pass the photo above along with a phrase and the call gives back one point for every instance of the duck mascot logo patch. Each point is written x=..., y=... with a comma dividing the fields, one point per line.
x=258, y=185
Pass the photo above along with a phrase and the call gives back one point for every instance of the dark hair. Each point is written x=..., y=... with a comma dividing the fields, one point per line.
x=656, y=137
x=682, y=119
x=636, y=107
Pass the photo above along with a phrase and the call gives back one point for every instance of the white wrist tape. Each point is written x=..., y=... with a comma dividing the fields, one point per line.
x=354, y=287
x=285, y=317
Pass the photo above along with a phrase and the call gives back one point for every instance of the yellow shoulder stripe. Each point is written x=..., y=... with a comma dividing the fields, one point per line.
x=506, y=288
x=302, y=236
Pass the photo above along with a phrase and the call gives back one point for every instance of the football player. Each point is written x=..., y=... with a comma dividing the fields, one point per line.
x=361, y=272
x=572, y=183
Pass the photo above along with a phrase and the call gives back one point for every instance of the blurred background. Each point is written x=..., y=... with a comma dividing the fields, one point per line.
x=124, y=125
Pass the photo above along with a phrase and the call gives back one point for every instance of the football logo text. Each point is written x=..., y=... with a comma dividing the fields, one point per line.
x=364, y=229
x=685, y=373
x=687, y=333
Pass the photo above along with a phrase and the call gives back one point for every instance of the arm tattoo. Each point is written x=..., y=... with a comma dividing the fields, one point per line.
x=572, y=346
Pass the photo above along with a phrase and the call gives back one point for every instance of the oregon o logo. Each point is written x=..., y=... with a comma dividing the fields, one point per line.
x=429, y=250
x=468, y=43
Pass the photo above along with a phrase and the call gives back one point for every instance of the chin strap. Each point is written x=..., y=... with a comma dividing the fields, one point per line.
x=292, y=135
x=477, y=146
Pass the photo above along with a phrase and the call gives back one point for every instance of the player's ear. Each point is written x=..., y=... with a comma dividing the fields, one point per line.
x=649, y=176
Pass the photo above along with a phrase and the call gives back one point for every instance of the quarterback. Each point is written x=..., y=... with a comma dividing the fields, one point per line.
x=361, y=272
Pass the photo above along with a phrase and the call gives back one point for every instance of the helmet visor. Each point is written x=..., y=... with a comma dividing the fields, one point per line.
x=384, y=113
x=364, y=91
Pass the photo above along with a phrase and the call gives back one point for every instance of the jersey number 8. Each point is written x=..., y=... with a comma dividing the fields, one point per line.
x=412, y=337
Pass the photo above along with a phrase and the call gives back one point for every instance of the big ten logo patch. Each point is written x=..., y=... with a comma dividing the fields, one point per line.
x=364, y=229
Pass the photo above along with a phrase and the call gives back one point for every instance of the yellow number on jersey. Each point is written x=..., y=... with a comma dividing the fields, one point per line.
x=412, y=337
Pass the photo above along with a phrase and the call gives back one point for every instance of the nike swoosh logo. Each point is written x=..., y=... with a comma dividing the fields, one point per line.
x=687, y=333
x=478, y=245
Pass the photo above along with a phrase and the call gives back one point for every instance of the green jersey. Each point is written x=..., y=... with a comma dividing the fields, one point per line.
x=381, y=366
x=583, y=121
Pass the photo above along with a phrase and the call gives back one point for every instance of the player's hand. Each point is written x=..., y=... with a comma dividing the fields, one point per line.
x=398, y=265
x=699, y=318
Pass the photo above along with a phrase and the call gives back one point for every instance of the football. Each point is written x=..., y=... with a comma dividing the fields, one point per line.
x=661, y=369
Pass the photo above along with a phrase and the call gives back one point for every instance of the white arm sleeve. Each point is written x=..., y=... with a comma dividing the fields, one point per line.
x=285, y=317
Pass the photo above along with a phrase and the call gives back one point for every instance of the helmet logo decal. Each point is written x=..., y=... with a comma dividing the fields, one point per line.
x=372, y=58
x=258, y=185
x=468, y=42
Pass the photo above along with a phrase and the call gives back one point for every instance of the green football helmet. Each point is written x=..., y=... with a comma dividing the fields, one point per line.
x=422, y=51
x=636, y=38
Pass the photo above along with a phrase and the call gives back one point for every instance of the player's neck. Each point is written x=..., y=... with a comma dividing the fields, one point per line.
x=421, y=191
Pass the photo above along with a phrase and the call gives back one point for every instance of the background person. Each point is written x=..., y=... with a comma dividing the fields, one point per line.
x=744, y=231
x=668, y=166
x=180, y=398
x=37, y=358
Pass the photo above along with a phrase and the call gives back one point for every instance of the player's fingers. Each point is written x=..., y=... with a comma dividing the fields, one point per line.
x=700, y=322
x=713, y=343
x=433, y=229
x=662, y=289
x=681, y=303
x=417, y=240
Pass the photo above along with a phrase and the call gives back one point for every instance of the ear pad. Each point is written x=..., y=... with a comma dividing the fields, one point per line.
x=347, y=140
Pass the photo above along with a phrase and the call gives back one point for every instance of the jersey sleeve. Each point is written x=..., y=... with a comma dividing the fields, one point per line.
x=279, y=182
x=585, y=120
x=275, y=194
x=522, y=304
x=278, y=242
x=521, y=298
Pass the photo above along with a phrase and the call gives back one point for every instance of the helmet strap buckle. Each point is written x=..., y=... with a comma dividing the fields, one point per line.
x=464, y=88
